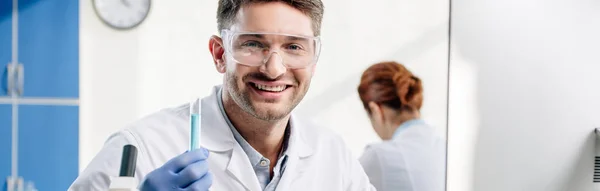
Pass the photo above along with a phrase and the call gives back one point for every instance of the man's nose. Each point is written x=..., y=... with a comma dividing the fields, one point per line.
x=273, y=65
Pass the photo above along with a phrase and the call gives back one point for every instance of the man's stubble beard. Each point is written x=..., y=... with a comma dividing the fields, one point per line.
x=243, y=100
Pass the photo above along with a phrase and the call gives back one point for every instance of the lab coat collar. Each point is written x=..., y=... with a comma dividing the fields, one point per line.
x=298, y=154
x=217, y=137
x=298, y=141
x=406, y=125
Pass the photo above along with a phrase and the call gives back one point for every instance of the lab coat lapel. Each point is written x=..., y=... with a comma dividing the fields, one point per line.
x=293, y=171
x=218, y=138
x=299, y=153
x=240, y=169
x=216, y=135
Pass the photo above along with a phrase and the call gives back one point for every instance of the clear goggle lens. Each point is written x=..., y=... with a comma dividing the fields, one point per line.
x=255, y=49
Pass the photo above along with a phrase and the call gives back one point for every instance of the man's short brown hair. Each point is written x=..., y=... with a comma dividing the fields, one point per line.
x=228, y=10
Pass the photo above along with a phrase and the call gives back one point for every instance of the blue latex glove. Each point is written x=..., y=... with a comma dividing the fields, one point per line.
x=188, y=171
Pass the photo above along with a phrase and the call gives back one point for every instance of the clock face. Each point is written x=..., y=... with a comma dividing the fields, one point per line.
x=122, y=14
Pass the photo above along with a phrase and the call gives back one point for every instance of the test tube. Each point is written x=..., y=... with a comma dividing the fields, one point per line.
x=195, y=121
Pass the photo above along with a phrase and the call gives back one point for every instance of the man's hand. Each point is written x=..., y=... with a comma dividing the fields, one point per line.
x=188, y=171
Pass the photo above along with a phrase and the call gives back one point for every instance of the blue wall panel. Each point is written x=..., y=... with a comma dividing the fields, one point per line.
x=48, y=145
x=49, y=51
x=5, y=141
x=49, y=47
x=5, y=41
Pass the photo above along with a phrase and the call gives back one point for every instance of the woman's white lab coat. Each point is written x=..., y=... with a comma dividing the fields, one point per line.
x=413, y=160
x=318, y=159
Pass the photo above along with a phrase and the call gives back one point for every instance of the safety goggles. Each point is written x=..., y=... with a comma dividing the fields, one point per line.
x=255, y=49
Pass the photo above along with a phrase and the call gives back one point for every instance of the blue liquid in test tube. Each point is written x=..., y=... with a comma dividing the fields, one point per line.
x=195, y=121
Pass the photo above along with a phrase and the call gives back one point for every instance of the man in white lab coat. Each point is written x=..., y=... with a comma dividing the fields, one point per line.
x=267, y=52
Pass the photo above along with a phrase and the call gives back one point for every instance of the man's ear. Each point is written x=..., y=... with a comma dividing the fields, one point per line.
x=376, y=111
x=215, y=45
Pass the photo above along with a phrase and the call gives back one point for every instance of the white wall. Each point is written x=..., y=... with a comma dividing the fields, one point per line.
x=359, y=33
x=128, y=74
x=535, y=98
x=165, y=62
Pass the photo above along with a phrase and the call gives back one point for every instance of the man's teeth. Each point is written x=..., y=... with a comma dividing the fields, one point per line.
x=270, y=88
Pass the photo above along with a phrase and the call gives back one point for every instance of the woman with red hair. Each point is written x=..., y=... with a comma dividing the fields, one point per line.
x=411, y=156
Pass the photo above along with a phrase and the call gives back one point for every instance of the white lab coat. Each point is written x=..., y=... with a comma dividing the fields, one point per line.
x=413, y=160
x=318, y=159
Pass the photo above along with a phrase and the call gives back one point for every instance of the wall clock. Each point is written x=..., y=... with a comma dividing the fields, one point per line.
x=122, y=14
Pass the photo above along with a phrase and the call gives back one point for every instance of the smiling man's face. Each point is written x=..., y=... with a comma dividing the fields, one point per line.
x=269, y=91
